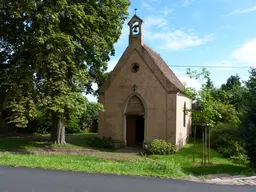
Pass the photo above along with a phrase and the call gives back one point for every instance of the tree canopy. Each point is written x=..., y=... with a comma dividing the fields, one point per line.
x=55, y=50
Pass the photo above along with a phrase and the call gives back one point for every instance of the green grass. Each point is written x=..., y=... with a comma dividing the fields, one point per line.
x=79, y=141
x=142, y=167
x=177, y=165
x=219, y=164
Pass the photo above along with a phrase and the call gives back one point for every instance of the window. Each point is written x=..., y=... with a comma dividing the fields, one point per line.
x=135, y=67
x=184, y=114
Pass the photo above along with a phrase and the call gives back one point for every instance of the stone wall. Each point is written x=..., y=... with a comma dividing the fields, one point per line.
x=121, y=87
x=183, y=129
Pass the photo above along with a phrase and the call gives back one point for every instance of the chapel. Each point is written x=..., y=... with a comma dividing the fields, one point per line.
x=143, y=99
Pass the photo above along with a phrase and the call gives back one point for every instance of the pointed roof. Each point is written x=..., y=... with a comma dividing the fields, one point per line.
x=164, y=68
x=164, y=74
x=134, y=18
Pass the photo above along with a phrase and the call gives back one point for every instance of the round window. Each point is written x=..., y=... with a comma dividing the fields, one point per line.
x=135, y=67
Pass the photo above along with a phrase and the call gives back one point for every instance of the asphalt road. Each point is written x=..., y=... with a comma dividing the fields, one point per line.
x=37, y=180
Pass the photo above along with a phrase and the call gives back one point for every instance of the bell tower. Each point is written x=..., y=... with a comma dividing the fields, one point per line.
x=136, y=35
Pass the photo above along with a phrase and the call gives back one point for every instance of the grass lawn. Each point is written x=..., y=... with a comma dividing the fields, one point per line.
x=170, y=166
x=219, y=164
x=142, y=167
x=39, y=142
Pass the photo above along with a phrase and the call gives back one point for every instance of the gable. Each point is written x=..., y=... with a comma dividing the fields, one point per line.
x=164, y=68
x=155, y=63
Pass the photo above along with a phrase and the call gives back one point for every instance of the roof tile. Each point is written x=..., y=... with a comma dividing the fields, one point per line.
x=163, y=66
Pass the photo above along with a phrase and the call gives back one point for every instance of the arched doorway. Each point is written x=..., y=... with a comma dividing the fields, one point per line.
x=135, y=124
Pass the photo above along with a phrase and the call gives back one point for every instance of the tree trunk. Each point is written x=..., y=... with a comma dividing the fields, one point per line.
x=58, y=130
x=194, y=150
x=203, y=145
x=209, y=144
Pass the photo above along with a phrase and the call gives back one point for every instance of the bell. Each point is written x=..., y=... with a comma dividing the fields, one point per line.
x=135, y=28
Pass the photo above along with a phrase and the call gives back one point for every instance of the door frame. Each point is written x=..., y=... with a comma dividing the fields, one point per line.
x=125, y=114
x=125, y=125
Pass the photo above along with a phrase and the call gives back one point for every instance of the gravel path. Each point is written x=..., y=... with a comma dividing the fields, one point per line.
x=224, y=179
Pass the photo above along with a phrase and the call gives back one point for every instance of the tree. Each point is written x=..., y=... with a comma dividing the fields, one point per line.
x=56, y=49
x=91, y=115
x=203, y=99
x=232, y=81
x=234, y=92
x=249, y=123
x=204, y=114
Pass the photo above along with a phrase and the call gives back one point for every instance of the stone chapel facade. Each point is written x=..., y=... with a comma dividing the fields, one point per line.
x=143, y=99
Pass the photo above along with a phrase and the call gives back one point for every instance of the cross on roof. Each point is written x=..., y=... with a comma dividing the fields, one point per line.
x=135, y=10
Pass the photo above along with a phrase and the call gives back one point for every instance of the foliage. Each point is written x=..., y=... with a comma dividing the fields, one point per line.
x=73, y=125
x=205, y=103
x=232, y=81
x=226, y=139
x=240, y=159
x=102, y=143
x=91, y=114
x=158, y=146
x=228, y=114
x=42, y=124
x=233, y=93
x=103, y=78
x=56, y=50
x=248, y=129
x=3, y=125
x=219, y=164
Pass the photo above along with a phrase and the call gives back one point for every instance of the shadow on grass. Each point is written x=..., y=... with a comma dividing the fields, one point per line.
x=230, y=169
x=23, y=146
x=218, y=165
x=32, y=142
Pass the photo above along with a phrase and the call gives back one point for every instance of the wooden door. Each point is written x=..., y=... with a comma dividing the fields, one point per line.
x=130, y=130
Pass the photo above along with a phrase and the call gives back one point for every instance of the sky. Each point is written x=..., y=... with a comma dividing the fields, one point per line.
x=220, y=34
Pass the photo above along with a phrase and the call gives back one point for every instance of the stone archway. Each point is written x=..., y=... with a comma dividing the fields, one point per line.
x=134, y=128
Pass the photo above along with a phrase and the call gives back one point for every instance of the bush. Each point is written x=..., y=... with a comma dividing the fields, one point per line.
x=240, y=159
x=249, y=136
x=91, y=115
x=231, y=148
x=73, y=125
x=226, y=139
x=102, y=143
x=3, y=125
x=159, y=147
x=42, y=124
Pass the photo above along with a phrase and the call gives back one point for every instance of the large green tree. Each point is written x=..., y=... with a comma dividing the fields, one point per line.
x=56, y=49
x=249, y=123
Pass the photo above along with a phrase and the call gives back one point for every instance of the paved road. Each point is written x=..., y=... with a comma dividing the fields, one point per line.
x=37, y=180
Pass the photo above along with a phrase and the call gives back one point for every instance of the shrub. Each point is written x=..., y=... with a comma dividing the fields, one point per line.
x=73, y=125
x=102, y=143
x=42, y=124
x=226, y=139
x=91, y=115
x=249, y=137
x=231, y=148
x=240, y=159
x=159, y=147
